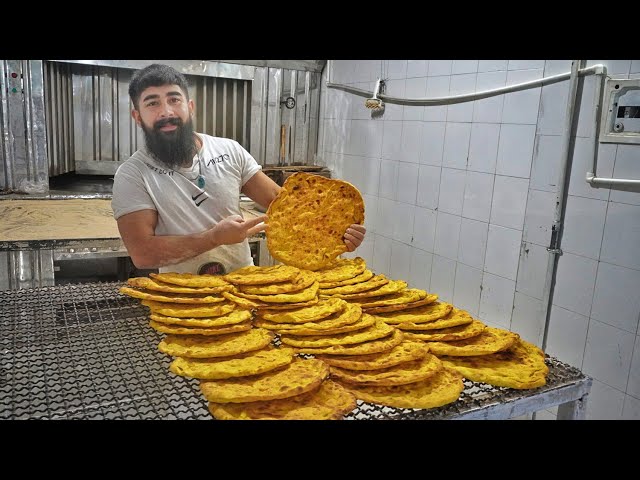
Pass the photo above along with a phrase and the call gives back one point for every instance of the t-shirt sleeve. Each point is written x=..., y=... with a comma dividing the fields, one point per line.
x=249, y=165
x=129, y=191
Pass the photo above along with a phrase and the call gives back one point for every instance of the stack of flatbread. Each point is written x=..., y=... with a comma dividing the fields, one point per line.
x=186, y=304
x=480, y=353
x=241, y=373
x=281, y=287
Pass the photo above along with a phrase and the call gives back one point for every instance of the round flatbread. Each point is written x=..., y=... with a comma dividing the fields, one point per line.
x=342, y=269
x=308, y=219
x=323, y=309
x=158, y=286
x=388, y=289
x=401, y=374
x=181, y=330
x=491, y=340
x=171, y=297
x=423, y=314
x=401, y=304
x=330, y=401
x=521, y=366
x=257, y=275
x=196, y=346
x=350, y=315
x=242, y=365
x=305, y=295
x=374, y=332
x=373, y=346
x=304, y=280
x=443, y=388
x=455, y=318
x=363, y=277
x=298, y=377
x=404, y=352
x=473, y=329
x=190, y=279
x=373, y=282
x=183, y=310
x=235, y=317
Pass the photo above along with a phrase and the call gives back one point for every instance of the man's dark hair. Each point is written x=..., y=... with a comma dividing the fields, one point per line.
x=155, y=75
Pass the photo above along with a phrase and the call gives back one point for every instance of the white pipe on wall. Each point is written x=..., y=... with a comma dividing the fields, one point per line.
x=468, y=97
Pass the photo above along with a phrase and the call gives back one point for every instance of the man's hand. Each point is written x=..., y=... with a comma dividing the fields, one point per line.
x=354, y=236
x=234, y=229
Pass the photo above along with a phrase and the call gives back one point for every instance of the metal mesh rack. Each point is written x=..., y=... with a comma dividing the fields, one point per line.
x=85, y=351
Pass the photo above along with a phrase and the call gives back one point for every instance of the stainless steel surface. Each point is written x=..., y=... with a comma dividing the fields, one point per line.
x=85, y=351
x=26, y=268
x=303, y=65
x=207, y=68
x=23, y=136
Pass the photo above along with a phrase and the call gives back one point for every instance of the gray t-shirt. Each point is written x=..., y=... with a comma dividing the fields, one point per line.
x=183, y=208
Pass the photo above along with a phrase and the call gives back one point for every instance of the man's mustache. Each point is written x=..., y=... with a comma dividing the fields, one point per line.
x=167, y=121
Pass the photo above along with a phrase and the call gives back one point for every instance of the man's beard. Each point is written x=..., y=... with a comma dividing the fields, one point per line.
x=172, y=149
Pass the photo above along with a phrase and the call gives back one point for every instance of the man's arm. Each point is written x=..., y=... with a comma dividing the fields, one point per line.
x=261, y=189
x=148, y=250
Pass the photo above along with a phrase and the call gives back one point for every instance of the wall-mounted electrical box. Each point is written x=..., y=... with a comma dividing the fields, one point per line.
x=620, y=122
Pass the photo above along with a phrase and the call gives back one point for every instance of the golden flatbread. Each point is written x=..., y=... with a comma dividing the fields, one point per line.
x=363, y=277
x=196, y=346
x=423, y=314
x=156, y=285
x=330, y=401
x=460, y=332
x=373, y=346
x=491, y=340
x=242, y=365
x=308, y=219
x=342, y=269
x=301, y=296
x=400, y=303
x=374, y=332
x=399, y=298
x=443, y=388
x=348, y=316
x=251, y=304
x=236, y=316
x=304, y=280
x=190, y=279
x=171, y=297
x=404, y=352
x=455, y=318
x=181, y=330
x=401, y=374
x=182, y=310
x=323, y=309
x=298, y=377
x=255, y=275
x=388, y=289
x=373, y=282
x=363, y=322
x=521, y=366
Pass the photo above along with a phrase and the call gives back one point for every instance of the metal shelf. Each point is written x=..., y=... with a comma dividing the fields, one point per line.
x=85, y=351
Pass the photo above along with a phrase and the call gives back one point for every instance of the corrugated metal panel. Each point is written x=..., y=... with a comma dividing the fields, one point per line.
x=22, y=120
x=106, y=134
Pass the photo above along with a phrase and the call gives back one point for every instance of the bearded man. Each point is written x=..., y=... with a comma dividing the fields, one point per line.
x=177, y=199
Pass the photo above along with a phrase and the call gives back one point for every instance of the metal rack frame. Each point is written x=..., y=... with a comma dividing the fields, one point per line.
x=85, y=351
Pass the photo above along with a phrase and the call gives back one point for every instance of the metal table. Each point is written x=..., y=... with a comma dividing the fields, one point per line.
x=85, y=351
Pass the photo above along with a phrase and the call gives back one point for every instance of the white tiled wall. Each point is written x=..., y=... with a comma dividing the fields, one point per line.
x=460, y=200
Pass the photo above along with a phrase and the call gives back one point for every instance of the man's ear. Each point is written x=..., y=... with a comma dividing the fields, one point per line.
x=136, y=116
